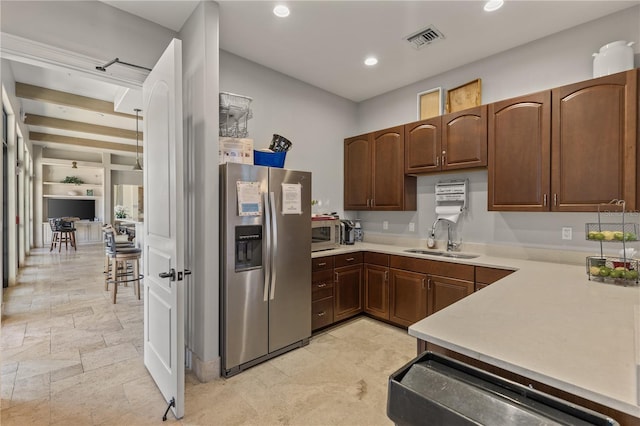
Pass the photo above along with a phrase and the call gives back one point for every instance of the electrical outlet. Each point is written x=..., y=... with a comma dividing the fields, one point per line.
x=567, y=233
x=412, y=227
x=385, y=225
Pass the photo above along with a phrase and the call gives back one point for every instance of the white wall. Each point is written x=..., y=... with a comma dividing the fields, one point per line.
x=315, y=121
x=200, y=102
x=549, y=62
x=16, y=129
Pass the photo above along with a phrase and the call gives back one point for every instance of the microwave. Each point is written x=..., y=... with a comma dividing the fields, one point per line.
x=325, y=233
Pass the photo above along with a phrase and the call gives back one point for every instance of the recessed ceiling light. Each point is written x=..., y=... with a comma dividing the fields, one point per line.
x=493, y=5
x=281, y=11
x=370, y=61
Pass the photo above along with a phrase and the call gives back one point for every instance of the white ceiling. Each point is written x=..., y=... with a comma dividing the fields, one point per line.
x=324, y=43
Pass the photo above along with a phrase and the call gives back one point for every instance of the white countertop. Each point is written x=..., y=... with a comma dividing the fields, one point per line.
x=546, y=321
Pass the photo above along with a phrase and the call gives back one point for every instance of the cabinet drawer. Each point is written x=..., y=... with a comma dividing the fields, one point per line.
x=452, y=270
x=321, y=313
x=409, y=264
x=320, y=263
x=322, y=284
x=376, y=258
x=490, y=275
x=348, y=259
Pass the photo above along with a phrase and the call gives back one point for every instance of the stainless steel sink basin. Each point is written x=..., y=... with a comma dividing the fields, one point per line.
x=443, y=253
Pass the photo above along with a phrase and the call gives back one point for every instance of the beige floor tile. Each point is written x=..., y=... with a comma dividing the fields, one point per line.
x=71, y=357
x=34, y=412
x=7, y=381
x=63, y=339
x=30, y=389
x=12, y=335
x=107, y=356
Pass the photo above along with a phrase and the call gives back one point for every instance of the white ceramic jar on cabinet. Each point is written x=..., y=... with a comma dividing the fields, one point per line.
x=613, y=57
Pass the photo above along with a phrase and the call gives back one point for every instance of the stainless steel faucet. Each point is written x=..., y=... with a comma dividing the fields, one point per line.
x=451, y=246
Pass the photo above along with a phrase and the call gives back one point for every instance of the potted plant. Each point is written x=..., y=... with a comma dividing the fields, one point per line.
x=121, y=212
x=73, y=179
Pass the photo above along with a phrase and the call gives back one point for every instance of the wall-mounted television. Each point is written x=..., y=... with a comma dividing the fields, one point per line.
x=84, y=209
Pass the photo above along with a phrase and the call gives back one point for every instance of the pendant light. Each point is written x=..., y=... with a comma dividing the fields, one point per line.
x=137, y=166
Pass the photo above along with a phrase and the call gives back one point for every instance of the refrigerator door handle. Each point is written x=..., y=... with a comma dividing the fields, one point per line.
x=274, y=249
x=267, y=262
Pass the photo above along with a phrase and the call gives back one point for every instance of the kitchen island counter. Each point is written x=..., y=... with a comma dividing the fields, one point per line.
x=546, y=322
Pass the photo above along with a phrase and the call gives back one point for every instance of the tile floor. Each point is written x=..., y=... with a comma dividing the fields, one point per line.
x=71, y=357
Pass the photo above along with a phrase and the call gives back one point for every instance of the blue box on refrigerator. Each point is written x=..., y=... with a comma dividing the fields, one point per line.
x=271, y=159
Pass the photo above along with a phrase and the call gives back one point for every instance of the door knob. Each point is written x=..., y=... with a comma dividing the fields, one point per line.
x=171, y=274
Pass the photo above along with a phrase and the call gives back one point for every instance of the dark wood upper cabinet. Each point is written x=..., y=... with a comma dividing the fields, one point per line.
x=593, y=140
x=519, y=153
x=423, y=146
x=374, y=172
x=464, y=139
x=567, y=149
x=452, y=141
x=357, y=172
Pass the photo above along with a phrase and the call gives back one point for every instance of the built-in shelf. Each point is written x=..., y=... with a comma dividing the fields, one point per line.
x=55, y=171
x=85, y=185
x=75, y=197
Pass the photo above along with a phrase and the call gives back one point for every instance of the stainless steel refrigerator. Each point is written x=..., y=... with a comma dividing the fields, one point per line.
x=265, y=263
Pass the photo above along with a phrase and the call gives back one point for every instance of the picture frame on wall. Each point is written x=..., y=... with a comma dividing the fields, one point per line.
x=465, y=96
x=430, y=103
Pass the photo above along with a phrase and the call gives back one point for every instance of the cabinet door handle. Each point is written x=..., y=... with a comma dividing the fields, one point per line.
x=386, y=275
x=429, y=284
x=555, y=199
x=322, y=264
x=351, y=259
x=336, y=281
x=423, y=283
x=544, y=200
x=321, y=285
x=367, y=202
x=437, y=161
x=321, y=314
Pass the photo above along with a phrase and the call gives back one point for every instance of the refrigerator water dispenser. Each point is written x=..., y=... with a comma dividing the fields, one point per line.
x=248, y=247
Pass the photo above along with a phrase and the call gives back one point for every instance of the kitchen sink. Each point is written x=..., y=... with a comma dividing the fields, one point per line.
x=443, y=254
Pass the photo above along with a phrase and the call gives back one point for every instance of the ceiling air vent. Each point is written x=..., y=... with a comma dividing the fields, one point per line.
x=424, y=37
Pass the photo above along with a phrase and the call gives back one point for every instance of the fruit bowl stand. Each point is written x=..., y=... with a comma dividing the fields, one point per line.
x=622, y=270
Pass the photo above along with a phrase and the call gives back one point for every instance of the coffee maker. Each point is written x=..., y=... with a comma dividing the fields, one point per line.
x=347, y=232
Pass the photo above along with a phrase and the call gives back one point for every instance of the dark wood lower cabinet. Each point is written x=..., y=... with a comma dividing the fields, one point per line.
x=486, y=276
x=376, y=291
x=321, y=313
x=446, y=291
x=397, y=289
x=407, y=297
x=348, y=292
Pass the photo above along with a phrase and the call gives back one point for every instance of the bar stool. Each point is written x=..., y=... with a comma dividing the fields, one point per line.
x=119, y=245
x=55, y=234
x=62, y=232
x=123, y=266
x=67, y=234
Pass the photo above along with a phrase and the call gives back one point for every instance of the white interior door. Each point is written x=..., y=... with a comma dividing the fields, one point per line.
x=163, y=226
